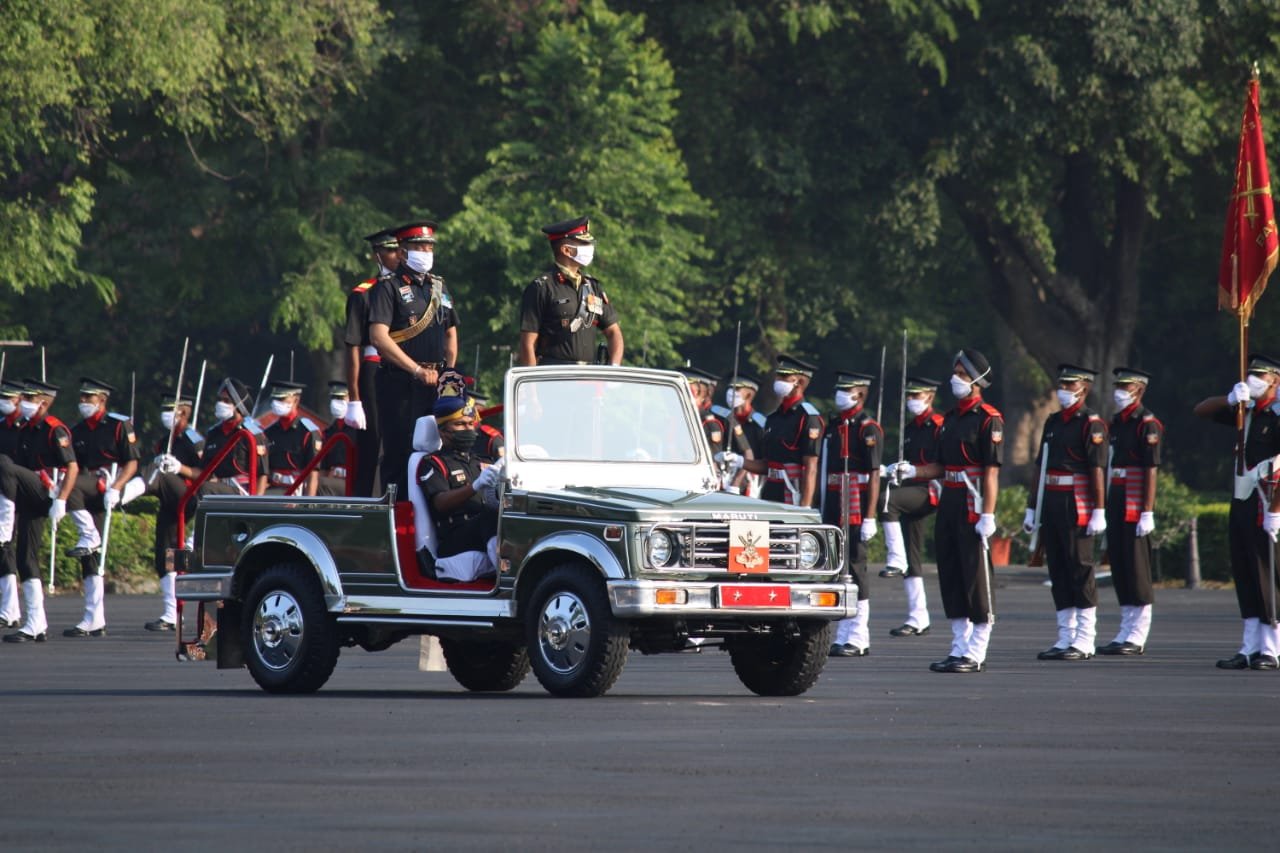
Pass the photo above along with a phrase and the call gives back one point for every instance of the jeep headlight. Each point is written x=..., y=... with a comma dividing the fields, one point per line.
x=810, y=550
x=660, y=547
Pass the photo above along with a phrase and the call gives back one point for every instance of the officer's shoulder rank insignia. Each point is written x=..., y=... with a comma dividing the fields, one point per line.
x=997, y=432
x=814, y=433
x=870, y=440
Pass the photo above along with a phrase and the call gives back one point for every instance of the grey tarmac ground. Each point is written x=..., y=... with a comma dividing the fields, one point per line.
x=112, y=744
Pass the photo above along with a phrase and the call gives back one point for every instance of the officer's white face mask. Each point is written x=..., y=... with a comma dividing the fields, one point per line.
x=1257, y=385
x=419, y=262
x=338, y=408
x=87, y=410
x=1067, y=399
x=845, y=400
x=166, y=418
x=782, y=388
x=584, y=254
x=917, y=406
x=223, y=410
x=1123, y=398
x=960, y=388
x=281, y=408
x=7, y=407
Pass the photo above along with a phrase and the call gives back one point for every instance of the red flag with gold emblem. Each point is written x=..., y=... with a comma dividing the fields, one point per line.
x=1250, y=245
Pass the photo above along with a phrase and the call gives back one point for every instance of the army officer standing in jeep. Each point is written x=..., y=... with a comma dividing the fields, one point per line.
x=562, y=308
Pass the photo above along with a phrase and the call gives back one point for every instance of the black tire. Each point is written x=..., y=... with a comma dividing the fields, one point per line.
x=576, y=647
x=483, y=666
x=772, y=665
x=290, y=641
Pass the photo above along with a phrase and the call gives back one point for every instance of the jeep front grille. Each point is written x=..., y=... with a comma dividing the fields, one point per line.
x=704, y=547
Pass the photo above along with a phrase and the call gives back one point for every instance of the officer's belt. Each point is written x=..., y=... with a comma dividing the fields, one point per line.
x=407, y=334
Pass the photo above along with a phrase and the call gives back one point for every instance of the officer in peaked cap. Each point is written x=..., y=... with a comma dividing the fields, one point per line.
x=743, y=426
x=293, y=440
x=702, y=385
x=792, y=439
x=1251, y=528
x=337, y=465
x=413, y=324
x=910, y=502
x=1074, y=441
x=562, y=308
x=851, y=449
x=107, y=452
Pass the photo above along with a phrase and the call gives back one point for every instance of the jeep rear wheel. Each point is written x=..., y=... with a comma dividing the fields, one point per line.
x=289, y=639
x=576, y=647
x=486, y=666
x=774, y=665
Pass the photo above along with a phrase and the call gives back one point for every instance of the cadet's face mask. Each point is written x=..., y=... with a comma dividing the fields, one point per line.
x=960, y=387
x=1257, y=385
x=1066, y=398
x=29, y=408
x=338, y=408
x=166, y=418
x=1122, y=397
x=7, y=406
x=917, y=406
x=783, y=388
x=281, y=408
x=845, y=400
x=223, y=410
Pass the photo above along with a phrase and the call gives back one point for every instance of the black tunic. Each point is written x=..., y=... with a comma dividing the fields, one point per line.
x=565, y=316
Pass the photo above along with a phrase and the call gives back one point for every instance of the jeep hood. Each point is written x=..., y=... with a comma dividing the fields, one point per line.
x=654, y=505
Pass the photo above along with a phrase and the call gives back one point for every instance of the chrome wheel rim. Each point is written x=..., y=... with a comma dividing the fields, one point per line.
x=277, y=630
x=564, y=632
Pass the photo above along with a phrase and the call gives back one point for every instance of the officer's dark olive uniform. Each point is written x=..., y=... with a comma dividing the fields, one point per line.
x=100, y=441
x=912, y=502
x=1136, y=437
x=565, y=316
x=857, y=436
x=291, y=444
x=356, y=334
x=169, y=489
x=470, y=526
x=417, y=315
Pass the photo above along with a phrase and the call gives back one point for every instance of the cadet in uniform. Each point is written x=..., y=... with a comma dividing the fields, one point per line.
x=911, y=502
x=453, y=480
x=970, y=451
x=10, y=423
x=31, y=482
x=414, y=327
x=336, y=464
x=232, y=474
x=851, y=450
x=1251, y=544
x=744, y=426
x=292, y=442
x=169, y=488
x=1075, y=440
x=562, y=308
x=100, y=440
x=363, y=360
x=792, y=435
x=702, y=385
x=1136, y=436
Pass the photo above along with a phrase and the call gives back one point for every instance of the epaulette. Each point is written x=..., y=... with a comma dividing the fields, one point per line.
x=252, y=426
x=990, y=410
x=936, y=418
x=489, y=430
x=193, y=436
x=544, y=279
x=53, y=422
x=758, y=419
x=365, y=285
x=808, y=408
x=720, y=411
x=118, y=416
x=309, y=425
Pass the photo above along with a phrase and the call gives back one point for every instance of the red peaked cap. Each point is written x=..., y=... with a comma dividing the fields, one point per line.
x=417, y=232
x=577, y=229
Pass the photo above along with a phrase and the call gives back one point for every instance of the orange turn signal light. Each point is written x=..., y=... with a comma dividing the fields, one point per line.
x=669, y=596
x=824, y=599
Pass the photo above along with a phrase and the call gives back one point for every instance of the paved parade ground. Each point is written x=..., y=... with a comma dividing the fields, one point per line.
x=112, y=744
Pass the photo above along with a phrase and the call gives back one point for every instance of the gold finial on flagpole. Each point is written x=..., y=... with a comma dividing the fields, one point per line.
x=1255, y=70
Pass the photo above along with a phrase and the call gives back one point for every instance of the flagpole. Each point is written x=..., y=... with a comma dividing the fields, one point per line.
x=1243, y=317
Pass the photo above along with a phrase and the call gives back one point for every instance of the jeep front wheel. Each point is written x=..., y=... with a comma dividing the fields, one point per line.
x=486, y=665
x=575, y=645
x=776, y=665
x=290, y=642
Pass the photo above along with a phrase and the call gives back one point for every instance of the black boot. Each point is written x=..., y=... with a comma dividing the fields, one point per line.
x=427, y=564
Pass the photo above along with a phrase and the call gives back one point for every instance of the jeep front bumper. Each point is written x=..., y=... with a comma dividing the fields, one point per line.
x=642, y=598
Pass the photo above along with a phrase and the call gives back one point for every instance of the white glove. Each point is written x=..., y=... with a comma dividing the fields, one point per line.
x=168, y=463
x=1239, y=393
x=354, y=416
x=903, y=471
x=57, y=510
x=1097, y=523
x=111, y=498
x=489, y=476
x=1029, y=521
x=868, y=529
x=1271, y=524
x=986, y=526
x=733, y=460
x=886, y=471
x=1146, y=524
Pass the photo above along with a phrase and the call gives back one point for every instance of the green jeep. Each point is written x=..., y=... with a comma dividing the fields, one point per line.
x=612, y=537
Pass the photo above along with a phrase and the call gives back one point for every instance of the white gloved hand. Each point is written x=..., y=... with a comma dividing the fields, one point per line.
x=868, y=529
x=903, y=471
x=733, y=460
x=1271, y=524
x=168, y=463
x=986, y=526
x=1029, y=521
x=886, y=471
x=1239, y=393
x=1097, y=523
x=489, y=476
x=354, y=416
x=111, y=498
x=57, y=510
x=1146, y=524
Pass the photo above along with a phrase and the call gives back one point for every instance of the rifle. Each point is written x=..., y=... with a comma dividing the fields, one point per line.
x=262, y=386
x=106, y=524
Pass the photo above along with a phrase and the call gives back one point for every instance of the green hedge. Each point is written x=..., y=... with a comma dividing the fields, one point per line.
x=130, y=552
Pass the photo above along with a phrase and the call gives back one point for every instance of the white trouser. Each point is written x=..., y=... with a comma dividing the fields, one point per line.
x=132, y=490
x=9, y=598
x=1251, y=640
x=1139, y=624
x=1066, y=628
x=895, y=546
x=1085, y=638
x=7, y=514
x=1126, y=624
x=89, y=537
x=917, y=603
x=95, y=615
x=855, y=630
x=169, y=598
x=979, y=637
x=961, y=631
x=33, y=603
x=1269, y=640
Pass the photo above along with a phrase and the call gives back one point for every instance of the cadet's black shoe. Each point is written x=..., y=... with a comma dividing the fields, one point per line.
x=908, y=631
x=1236, y=661
x=24, y=637
x=81, y=552
x=1073, y=653
x=848, y=650
x=159, y=625
x=1052, y=653
x=965, y=665
x=941, y=665
x=1126, y=648
x=80, y=632
x=427, y=564
x=1264, y=662
x=892, y=572
x=10, y=623
x=1109, y=648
